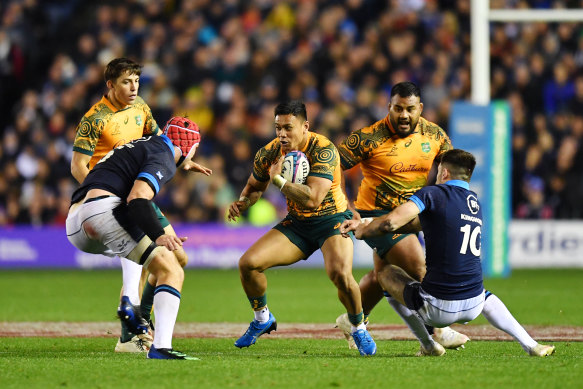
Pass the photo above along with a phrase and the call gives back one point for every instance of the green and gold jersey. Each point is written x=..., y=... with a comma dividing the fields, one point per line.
x=104, y=127
x=393, y=168
x=324, y=162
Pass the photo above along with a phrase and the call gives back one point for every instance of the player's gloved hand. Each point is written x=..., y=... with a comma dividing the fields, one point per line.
x=171, y=242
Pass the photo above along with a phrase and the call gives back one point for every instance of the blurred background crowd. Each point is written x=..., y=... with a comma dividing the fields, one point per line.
x=227, y=63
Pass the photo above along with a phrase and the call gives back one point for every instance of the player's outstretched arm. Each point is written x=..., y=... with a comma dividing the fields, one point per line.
x=391, y=222
x=249, y=196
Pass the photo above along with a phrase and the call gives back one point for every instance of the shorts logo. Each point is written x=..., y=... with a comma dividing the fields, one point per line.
x=286, y=223
x=425, y=147
x=337, y=226
x=122, y=245
x=395, y=236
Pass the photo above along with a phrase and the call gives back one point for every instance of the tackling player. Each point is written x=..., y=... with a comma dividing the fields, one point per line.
x=112, y=214
x=396, y=156
x=452, y=290
x=316, y=211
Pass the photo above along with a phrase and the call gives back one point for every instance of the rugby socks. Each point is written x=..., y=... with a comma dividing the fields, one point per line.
x=500, y=317
x=131, y=273
x=357, y=321
x=147, y=300
x=166, y=304
x=259, y=305
x=415, y=324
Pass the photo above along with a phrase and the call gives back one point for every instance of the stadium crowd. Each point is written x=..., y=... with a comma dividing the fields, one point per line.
x=225, y=64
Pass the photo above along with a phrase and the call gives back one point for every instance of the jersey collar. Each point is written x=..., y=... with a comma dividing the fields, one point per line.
x=168, y=142
x=460, y=183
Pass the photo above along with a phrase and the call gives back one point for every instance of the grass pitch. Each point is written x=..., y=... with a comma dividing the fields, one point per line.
x=536, y=297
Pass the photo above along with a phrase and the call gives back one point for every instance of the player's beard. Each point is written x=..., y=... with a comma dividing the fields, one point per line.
x=404, y=133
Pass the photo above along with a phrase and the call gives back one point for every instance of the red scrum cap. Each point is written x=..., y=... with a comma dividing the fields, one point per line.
x=184, y=134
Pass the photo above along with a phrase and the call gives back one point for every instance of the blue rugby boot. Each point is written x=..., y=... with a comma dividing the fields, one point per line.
x=130, y=315
x=255, y=330
x=168, y=353
x=364, y=342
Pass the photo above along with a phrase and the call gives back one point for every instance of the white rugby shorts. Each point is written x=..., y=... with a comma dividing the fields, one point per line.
x=93, y=228
x=441, y=313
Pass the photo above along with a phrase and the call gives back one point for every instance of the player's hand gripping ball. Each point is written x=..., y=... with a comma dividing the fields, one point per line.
x=295, y=167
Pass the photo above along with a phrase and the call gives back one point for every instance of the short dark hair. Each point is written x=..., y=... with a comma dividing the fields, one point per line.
x=119, y=66
x=405, y=89
x=460, y=163
x=293, y=107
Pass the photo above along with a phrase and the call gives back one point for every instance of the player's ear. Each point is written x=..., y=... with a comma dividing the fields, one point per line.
x=420, y=108
x=306, y=125
x=109, y=84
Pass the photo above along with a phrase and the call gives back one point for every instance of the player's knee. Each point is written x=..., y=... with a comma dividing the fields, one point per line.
x=250, y=262
x=340, y=278
x=164, y=264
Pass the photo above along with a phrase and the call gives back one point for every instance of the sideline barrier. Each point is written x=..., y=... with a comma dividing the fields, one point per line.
x=532, y=244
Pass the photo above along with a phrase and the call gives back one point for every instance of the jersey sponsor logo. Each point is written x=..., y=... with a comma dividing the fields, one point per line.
x=473, y=204
x=469, y=218
x=160, y=176
x=400, y=167
x=138, y=120
x=425, y=147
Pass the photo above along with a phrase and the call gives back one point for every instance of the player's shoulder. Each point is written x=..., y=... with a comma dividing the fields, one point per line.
x=430, y=129
x=319, y=139
x=140, y=103
x=368, y=137
x=99, y=110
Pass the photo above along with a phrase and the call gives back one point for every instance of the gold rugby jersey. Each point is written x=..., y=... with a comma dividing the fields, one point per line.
x=393, y=168
x=324, y=162
x=104, y=127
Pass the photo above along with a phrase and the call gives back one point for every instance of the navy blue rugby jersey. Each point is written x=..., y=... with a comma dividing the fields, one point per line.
x=150, y=158
x=451, y=218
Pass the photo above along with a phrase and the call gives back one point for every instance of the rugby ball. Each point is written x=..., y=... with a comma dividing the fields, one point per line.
x=295, y=167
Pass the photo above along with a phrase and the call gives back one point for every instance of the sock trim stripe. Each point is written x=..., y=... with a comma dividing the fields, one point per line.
x=168, y=289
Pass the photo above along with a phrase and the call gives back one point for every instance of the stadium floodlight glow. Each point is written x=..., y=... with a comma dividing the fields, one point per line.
x=481, y=16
